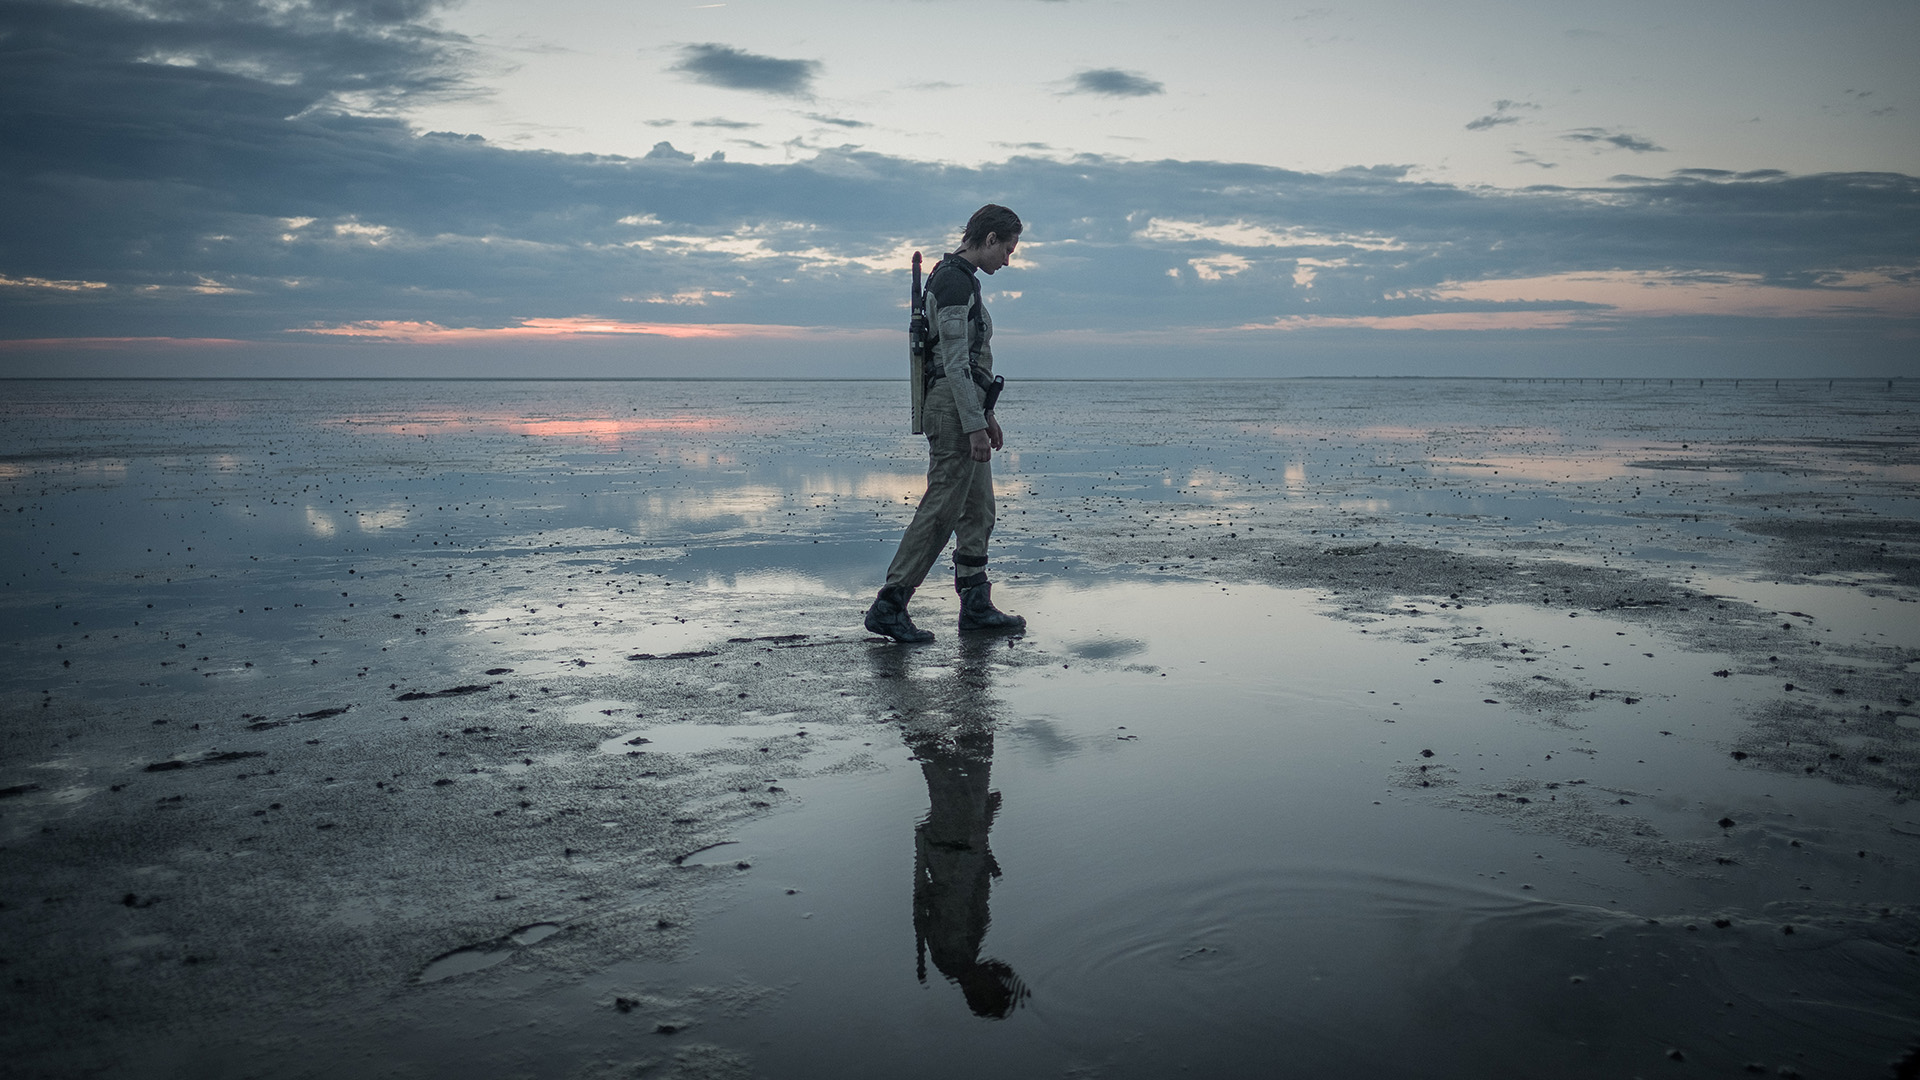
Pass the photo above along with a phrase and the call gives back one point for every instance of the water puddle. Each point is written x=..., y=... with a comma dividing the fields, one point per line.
x=1098, y=856
x=472, y=958
x=462, y=962
x=1843, y=611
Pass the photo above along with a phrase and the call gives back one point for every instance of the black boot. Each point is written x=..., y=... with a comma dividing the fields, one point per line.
x=888, y=617
x=976, y=606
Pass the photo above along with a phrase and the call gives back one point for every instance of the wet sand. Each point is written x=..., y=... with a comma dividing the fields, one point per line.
x=1455, y=728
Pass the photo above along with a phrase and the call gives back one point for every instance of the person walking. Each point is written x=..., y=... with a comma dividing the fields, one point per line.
x=962, y=434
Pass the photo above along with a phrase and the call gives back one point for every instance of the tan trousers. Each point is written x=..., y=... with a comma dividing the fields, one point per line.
x=958, y=502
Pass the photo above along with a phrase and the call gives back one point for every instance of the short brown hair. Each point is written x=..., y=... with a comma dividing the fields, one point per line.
x=991, y=219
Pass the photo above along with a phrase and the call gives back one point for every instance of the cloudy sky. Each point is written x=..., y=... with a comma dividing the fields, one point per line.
x=610, y=187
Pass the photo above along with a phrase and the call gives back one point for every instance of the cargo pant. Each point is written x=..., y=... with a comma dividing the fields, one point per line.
x=958, y=502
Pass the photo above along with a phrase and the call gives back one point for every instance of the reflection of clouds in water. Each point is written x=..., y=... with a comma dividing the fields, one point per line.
x=758, y=505
x=701, y=457
x=1213, y=482
x=890, y=486
x=770, y=582
x=373, y=520
x=1667, y=461
x=320, y=523
x=105, y=468
x=752, y=504
x=1294, y=474
x=1533, y=467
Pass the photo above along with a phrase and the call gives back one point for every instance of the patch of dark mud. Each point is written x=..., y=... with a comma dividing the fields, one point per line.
x=1573, y=809
x=1811, y=737
x=1853, y=545
x=1549, y=698
x=261, y=723
x=1367, y=575
x=452, y=691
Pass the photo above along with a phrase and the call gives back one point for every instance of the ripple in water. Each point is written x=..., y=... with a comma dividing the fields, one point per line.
x=1322, y=973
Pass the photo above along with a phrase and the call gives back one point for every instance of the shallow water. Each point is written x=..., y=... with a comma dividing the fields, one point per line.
x=1201, y=819
x=1197, y=867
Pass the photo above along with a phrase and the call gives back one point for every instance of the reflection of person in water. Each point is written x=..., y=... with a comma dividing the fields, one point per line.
x=945, y=723
x=953, y=870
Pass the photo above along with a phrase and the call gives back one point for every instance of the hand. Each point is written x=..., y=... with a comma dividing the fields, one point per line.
x=979, y=443
x=994, y=436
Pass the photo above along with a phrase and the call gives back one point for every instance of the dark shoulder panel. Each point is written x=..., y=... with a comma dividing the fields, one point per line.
x=950, y=285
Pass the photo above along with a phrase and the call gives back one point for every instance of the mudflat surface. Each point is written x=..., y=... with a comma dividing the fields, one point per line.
x=1452, y=728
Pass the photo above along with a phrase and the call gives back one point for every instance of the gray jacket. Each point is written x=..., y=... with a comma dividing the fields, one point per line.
x=962, y=331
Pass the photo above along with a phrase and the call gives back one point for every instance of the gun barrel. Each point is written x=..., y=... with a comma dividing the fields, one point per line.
x=916, y=349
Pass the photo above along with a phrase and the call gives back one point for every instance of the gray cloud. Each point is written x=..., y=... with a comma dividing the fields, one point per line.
x=721, y=122
x=1503, y=113
x=722, y=65
x=1112, y=82
x=837, y=121
x=1728, y=174
x=1616, y=139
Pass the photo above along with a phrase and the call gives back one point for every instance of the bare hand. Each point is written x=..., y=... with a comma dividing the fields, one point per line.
x=994, y=436
x=979, y=443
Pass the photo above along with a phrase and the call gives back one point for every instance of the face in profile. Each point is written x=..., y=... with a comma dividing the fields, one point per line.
x=996, y=253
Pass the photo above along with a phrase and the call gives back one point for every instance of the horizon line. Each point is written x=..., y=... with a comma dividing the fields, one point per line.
x=1671, y=380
